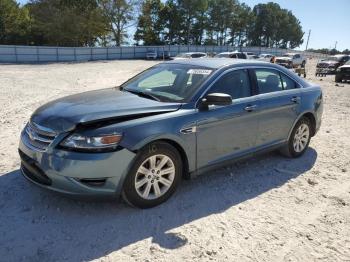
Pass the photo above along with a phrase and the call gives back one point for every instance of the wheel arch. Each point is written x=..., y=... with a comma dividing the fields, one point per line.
x=309, y=115
x=178, y=145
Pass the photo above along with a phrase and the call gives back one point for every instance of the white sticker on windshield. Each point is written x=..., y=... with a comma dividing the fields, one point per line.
x=199, y=71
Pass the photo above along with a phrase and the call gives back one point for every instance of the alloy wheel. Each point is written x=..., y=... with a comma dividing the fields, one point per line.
x=301, y=138
x=154, y=176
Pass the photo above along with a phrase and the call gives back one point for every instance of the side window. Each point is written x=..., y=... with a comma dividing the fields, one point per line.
x=268, y=80
x=297, y=56
x=235, y=83
x=287, y=82
x=241, y=56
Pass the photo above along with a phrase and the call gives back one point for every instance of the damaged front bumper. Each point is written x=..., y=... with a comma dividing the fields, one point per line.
x=75, y=173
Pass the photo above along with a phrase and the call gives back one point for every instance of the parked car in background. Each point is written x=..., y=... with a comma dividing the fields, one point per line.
x=236, y=55
x=265, y=57
x=291, y=60
x=251, y=55
x=164, y=54
x=330, y=64
x=343, y=72
x=190, y=55
x=174, y=120
x=151, y=54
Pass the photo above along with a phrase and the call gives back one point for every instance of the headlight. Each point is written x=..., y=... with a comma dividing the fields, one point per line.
x=338, y=69
x=92, y=143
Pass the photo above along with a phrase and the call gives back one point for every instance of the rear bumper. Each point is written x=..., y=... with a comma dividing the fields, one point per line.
x=76, y=174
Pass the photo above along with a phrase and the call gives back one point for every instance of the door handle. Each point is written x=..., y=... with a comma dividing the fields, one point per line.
x=250, y=108
x=295, y=99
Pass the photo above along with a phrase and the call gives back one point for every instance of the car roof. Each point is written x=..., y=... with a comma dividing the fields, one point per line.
x=217, y=63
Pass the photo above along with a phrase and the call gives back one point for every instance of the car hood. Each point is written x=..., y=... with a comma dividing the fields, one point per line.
x=345, y=66
x=66, y=113
x=330, y=62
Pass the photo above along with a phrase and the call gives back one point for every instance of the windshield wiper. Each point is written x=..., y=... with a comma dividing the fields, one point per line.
x=142, y=94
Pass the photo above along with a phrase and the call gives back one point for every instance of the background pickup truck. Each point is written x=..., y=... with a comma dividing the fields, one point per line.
x=291, y=60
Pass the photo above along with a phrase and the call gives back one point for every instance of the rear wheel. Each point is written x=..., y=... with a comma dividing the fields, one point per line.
x=338, y=79
x=299, y=139
x=154, y=176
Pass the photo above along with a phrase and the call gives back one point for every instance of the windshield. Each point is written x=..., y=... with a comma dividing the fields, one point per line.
x=168, y=82
x=333, y=58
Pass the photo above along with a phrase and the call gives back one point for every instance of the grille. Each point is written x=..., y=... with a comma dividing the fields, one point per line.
x=322, y=65
x=37, y=138
x=32, y=171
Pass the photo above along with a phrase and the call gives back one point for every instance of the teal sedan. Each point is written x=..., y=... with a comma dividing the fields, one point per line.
x=173, y=121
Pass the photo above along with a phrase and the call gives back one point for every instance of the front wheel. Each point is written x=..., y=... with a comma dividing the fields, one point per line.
x=338, y=79
x=299, y=139
x=154, y=176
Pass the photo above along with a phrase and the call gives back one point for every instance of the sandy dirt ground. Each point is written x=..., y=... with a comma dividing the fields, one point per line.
x=268, y=208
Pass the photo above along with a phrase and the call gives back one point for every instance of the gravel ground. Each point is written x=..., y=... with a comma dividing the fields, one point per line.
x=268, y=208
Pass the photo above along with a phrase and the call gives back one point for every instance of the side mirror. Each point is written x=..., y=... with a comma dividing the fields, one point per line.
x=218, y=99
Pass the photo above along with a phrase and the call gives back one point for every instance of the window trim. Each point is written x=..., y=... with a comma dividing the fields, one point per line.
x=249, y=68
x=280, y=73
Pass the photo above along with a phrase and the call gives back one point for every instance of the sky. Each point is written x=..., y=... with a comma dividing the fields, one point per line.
x=327, y=20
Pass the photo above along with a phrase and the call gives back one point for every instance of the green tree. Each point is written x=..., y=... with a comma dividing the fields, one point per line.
x=14, y=23
x=66, y=23
x=241, y=24
x=172, y=18
x=150, y=27
x=274, y=26
x=120, y=15
x=190, y=11
x=220, y=16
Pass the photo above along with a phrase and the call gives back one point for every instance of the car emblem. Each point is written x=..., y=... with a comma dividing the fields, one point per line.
x=189, y=130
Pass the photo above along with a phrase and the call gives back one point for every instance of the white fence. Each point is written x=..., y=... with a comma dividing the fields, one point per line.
x=42, y=54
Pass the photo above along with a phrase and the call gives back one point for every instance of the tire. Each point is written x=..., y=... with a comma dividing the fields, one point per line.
x=291, y=149
x=338, y=79
x=145, y=186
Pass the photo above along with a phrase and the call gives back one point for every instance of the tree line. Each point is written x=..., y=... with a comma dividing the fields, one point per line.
x=186, y=22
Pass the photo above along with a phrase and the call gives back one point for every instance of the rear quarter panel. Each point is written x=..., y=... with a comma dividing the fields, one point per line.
x=312, y=102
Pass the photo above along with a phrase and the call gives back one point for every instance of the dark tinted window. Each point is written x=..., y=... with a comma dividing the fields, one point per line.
x=235, y=83
x=268, y=80
x=344, y=59
x=197, y=55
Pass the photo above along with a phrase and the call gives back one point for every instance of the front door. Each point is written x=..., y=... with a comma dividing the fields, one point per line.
x=227, y=131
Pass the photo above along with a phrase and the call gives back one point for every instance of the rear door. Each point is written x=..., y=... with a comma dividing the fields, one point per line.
x=279, y=103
